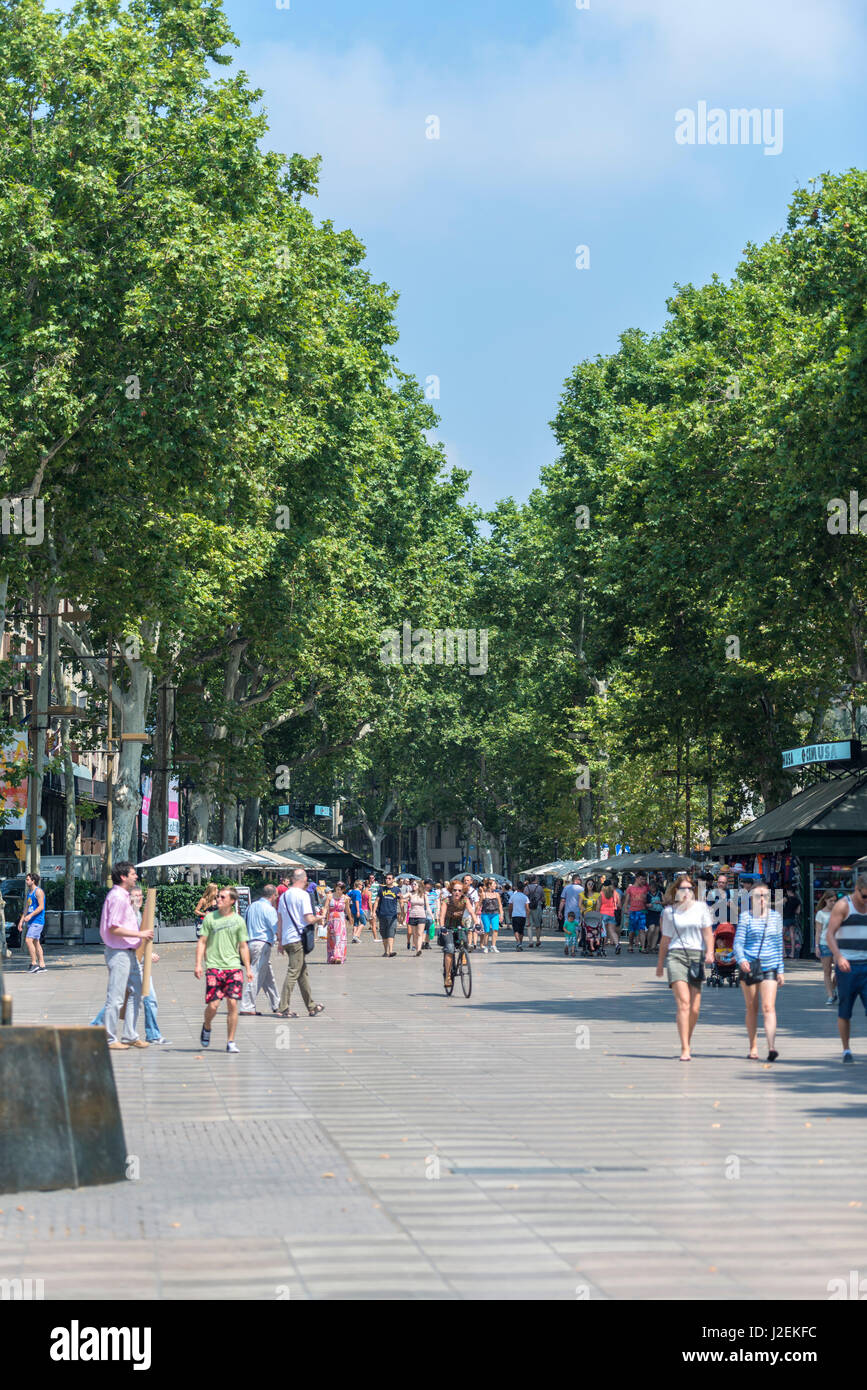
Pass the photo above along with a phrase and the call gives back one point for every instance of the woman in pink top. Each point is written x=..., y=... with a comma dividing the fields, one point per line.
x=338, y=924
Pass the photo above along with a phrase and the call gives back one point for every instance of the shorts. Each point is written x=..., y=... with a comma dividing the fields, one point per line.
x=851, y=985
x=35, y=930
x=490, y=921
x=535, y=916
x=387, y=928
x=518, y=925
x=223, y=984
x=359, y=918
x=676, y=965
x=637, y=922
x=767, y=975
x=824, y=952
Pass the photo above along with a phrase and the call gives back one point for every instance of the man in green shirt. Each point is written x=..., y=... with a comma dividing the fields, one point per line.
x=223, y=943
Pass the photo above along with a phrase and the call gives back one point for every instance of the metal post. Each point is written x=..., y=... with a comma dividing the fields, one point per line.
x=109, y=781
x=5, y=999
x=688, y=805
x=709, y=799
x=33, y=793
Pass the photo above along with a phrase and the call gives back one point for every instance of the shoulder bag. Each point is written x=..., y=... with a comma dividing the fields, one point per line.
x=753, y=976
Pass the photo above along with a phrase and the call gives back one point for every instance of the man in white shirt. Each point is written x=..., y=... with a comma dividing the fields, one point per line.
x=294, y=914
x=570, y=900
x=520, y=906
x=261, y=936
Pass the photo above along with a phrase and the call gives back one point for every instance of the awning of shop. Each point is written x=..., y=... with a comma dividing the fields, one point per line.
x=824, y=812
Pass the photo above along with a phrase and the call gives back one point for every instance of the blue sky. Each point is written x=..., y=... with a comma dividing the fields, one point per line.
x=557, y=130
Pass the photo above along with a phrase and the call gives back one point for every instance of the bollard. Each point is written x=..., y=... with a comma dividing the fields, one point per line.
x=60, y=1122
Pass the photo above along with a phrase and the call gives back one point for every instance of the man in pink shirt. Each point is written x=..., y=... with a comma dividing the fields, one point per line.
x=121, y=935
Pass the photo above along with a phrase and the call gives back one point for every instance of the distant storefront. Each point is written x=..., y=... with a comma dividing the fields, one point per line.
x=810, y=842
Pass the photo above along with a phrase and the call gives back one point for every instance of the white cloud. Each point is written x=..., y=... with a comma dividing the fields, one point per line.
x=807, y=40
x=593, y=101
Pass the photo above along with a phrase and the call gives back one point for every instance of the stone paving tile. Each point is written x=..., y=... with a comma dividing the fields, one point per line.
x=599, y=1168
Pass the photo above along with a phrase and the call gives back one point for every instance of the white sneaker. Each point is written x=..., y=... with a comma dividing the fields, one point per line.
x=484, y=950
x=832, y=998
x=495, y=949
x=232, y=1047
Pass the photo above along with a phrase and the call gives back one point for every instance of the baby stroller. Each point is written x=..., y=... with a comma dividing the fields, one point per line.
x=593, y=934
x=725, y=968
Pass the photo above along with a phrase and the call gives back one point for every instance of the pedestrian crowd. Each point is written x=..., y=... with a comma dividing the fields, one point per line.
x=738, y=936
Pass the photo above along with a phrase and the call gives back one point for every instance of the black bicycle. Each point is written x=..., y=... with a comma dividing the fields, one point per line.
x=461, y=969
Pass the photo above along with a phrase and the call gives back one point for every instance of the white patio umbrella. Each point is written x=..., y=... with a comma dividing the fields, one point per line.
x=191, y=856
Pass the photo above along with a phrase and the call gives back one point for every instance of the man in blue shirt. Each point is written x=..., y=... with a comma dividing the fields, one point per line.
x=261, y=935
x=387, y=904
x=33, y=918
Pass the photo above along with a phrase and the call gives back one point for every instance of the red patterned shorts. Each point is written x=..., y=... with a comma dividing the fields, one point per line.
x=223, y=984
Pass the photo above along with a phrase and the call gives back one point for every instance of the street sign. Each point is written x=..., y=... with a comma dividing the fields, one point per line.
x=849, y=750
x=322, y=810
x=282, y=810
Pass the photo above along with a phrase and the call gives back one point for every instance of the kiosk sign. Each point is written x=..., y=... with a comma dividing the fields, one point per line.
x=845, y=752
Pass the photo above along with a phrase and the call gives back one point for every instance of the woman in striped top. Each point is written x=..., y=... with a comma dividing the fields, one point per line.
x=759, y=938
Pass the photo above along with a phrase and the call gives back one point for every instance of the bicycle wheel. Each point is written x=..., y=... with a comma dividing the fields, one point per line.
x=466, y=974
x=448, y=985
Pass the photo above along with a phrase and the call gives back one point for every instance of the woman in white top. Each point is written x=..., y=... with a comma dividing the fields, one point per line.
x=686, y=938
x=823, y=913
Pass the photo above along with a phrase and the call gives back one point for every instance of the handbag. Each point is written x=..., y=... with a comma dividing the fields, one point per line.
x=753, y=976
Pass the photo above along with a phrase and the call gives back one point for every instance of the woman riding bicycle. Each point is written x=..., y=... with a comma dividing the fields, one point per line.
x=452, y=911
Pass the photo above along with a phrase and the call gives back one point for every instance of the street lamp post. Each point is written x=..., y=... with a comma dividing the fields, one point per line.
x=187, y=787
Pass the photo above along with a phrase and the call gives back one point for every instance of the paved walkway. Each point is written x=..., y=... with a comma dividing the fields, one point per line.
x=540, y=1140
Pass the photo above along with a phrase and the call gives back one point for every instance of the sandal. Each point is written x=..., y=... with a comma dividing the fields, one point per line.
x=287, y=1013
x=317, y=1009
